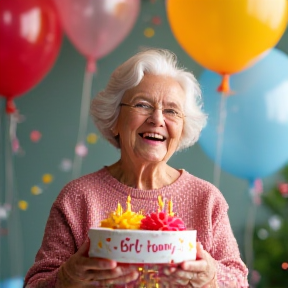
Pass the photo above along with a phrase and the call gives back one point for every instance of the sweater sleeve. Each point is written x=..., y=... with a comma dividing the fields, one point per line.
x=57, y=246
x=231, y=271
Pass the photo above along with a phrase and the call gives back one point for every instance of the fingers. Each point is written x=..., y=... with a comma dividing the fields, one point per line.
x=200, y=250
x=195, y=266
x=98, y=264
x=84, y=248
x=91, y=263
x=196, y=272
x=118, y=272
x=80, y=268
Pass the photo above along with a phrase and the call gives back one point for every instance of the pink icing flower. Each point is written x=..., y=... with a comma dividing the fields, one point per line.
x=162, y=221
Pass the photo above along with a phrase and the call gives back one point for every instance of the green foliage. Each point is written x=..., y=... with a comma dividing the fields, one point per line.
x=271, y=251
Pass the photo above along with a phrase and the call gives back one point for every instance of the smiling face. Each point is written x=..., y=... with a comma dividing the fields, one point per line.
x=147, y=134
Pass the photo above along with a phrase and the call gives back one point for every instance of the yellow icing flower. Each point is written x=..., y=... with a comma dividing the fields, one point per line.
x=127, y=220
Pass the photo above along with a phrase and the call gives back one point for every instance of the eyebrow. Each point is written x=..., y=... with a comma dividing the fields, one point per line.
x=145, y=98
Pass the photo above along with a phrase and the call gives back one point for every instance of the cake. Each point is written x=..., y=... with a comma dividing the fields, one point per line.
x=159, y=237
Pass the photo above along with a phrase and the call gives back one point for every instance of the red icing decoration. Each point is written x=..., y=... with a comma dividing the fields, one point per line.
x=162, y=221
x=127, y=239
x=108, y=239
x=115, y=248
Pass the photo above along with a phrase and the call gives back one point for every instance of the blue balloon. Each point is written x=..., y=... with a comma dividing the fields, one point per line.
x=15, y=282
x=255, y=134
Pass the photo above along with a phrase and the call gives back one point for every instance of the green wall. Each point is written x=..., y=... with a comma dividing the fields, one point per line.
x=53, y=108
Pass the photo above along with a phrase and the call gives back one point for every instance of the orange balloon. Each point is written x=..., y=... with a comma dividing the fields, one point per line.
x=227, y=36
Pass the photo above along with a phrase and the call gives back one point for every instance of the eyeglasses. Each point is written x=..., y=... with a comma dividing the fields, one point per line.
x=147, y=110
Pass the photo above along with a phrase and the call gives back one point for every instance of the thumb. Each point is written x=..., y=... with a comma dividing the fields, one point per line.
x=84, y=248
x=200, y=251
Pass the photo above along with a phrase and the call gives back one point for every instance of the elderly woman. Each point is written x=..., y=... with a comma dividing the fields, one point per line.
x=149, y=110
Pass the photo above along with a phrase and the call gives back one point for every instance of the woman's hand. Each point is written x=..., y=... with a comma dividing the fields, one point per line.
x=198, y=273
x=83, y=271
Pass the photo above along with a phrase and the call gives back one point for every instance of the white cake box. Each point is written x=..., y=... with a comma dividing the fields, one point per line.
x=143, y=246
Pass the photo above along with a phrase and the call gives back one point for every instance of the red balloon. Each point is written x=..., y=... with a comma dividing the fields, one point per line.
x=31, y=37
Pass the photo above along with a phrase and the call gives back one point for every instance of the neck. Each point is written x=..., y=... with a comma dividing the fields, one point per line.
x=146, y=176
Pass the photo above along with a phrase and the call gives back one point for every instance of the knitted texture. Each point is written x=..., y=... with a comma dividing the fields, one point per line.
x=84, y=202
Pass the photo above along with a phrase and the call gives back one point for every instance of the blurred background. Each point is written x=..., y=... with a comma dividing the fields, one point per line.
x=55, y=56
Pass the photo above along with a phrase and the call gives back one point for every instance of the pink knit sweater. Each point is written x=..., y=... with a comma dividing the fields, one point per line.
x=85, y=201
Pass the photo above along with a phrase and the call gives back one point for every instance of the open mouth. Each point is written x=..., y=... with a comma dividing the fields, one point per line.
x=153, y=136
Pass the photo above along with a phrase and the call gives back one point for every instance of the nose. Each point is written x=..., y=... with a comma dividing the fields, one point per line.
x=156, y=118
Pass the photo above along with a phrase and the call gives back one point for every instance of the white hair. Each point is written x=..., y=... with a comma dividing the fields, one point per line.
x=105, y=107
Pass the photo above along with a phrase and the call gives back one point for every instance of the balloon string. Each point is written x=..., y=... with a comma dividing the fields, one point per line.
x=84, y=115
x=219, y=144
x=249, y=230
x=9, y=161
x=2, y=161
x=15, y=247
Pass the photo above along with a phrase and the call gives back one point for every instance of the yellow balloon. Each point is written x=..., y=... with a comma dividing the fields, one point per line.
x=227, y=36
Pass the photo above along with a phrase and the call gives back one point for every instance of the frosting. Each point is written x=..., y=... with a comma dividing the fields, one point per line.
x=127, y=220
x=119, y=220
x=162, y=221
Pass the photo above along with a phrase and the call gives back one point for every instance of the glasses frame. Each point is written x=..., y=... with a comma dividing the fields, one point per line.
x=134, y=106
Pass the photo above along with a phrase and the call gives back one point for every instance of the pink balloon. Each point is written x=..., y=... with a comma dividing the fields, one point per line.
x=96, y=27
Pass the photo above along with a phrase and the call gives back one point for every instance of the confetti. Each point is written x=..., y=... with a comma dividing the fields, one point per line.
x=275, y=222
x=156, y=20
x=65, y=165
x=149, y=32
x=35, y=136
x=3, y=213
x=81, y=150
x=47, y=178
x=23, y=205
x=36, y=190
x=283, y=188
x=92, y=138
x=15, y=145
x=263, y=234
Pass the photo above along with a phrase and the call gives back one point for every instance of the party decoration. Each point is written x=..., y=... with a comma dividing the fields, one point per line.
x=227, y=36
x=275, y=222
x=15, y=119
x=30, y=42
x=263, y=234
x=36, y=190
x=156, y=20
x=97, y=27
x=65, y=165
x=254, y=138
x=3, y=213
x=35, y=136
x=149, y=32
x=283, y=188
x=15, y=282
x=256, y=191
x=23, y=205
x=47, y=178
x=81, y=150
x=92, y=138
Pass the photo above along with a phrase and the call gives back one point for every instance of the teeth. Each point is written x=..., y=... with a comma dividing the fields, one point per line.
x=153, y=135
